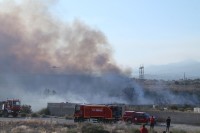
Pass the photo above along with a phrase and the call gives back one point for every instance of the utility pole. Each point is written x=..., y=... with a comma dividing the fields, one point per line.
x=184, y=80
x=184, y=76
x=141, y=72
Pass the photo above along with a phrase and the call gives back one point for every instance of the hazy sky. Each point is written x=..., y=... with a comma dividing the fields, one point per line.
x=141, y=31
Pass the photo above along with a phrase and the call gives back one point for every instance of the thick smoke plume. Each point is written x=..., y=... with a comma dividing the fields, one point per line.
x=43, y=59
x=32, y=41
x=38, y=51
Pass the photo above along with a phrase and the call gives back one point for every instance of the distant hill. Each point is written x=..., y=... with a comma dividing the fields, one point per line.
x=174, y=71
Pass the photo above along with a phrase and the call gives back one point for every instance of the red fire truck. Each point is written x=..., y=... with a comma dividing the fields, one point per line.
x=10, y=107
x=101, y=113
x=136, y=117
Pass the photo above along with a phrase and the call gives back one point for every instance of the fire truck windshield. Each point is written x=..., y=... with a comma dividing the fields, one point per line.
x=16, y=103
x=77, y=108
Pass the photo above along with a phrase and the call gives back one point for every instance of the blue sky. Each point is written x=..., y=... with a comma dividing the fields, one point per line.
x=149, y=32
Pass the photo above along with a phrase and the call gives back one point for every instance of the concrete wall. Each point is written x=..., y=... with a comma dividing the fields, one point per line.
x=197, y=110
x=61, y=109
x=177, y=117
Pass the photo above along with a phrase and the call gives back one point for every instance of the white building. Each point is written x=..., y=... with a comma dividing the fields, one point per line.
x=197, y=110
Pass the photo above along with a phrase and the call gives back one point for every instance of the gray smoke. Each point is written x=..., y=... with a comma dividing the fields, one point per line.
x=43, y=59
x=39, y=51
x=32, y=41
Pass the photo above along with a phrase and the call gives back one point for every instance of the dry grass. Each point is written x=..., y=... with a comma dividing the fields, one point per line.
x=35, y=126
x=39, y=126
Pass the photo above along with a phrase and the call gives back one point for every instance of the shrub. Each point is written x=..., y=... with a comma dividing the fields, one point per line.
x=44, y=111
x=181, y=109
x=34, y=115
x=133, y=130
x=91, y=128
x=176, y=83
x=187, y=107
x=69, y=117
x=72, y=131
x=178, y=131
x=173, y=107
x=23, y=114
x=43, y=116
x=26, y=109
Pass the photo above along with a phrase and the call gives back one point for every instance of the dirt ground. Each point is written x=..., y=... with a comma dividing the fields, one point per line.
x=160, y=127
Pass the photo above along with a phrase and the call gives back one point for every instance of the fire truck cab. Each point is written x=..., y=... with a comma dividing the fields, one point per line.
x=10, y=107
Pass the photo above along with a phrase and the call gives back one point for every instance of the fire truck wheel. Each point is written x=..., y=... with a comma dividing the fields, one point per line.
x=75, y=120
x=5, y=114
x=129, y=121
x=14, y=114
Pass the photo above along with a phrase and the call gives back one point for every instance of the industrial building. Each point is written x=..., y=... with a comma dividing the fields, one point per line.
x=61, y=109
